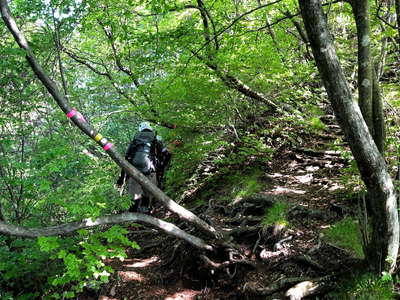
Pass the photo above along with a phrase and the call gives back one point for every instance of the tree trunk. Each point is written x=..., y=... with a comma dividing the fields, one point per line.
x=378, y=114
x=384, y=221
x=370, y=100
x=361, y=15
x=397, y=4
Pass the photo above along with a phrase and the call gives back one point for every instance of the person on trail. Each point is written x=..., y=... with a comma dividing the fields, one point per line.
x=163, y=158
x=141, y=153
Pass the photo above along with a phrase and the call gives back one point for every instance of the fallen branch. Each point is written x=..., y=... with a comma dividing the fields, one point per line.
x=63, y=229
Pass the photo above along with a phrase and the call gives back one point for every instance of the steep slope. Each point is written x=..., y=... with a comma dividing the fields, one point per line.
x=280, y=230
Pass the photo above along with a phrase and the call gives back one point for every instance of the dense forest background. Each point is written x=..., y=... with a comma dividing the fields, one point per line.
x=235, y=82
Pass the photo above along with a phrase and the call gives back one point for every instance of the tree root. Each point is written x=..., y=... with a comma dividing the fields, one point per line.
x=307, y=288
x=284, y=283
x=306, y=259
x=232, y=261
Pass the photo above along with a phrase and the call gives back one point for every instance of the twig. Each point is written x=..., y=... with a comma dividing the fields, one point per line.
x=257, y=242
x=308, y=260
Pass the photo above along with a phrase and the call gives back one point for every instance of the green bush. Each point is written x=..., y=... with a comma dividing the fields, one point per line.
x=55, y=268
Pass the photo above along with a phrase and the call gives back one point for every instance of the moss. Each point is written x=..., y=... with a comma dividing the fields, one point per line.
x=246, y=186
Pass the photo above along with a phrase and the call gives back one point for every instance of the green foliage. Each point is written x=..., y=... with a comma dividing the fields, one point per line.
x=24, y=268
x=52, y=264
x=243, y=184
x=364, y=286
x=83, y=258
x=252, y=148
x=276, y=214
x=346, y=234
x=151, y=61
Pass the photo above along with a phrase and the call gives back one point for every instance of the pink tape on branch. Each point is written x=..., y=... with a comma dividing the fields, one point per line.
x=107, y=146
x=81, y=117
x=71, y=113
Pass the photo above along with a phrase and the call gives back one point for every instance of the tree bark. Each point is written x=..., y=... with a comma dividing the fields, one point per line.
x=378, y=114
x=370, y=100
x=384, y=245
x=361, y=15
x=397, y=4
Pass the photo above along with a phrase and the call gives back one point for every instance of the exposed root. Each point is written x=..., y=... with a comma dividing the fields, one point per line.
x=306, y=259
x=306, y=288
x=301, y=289
x=274, y=287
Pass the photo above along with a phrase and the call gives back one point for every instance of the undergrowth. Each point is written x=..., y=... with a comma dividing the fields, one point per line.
x=276, y=214
x=363, y=286
x=346, y=234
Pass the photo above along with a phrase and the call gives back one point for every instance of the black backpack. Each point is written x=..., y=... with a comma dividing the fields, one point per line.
x=141, y=152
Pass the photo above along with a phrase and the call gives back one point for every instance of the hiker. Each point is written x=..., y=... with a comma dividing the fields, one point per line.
x=163, y=159
x=141, y=153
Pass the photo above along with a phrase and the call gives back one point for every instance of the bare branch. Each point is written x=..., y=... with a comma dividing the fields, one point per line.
x=168, y=228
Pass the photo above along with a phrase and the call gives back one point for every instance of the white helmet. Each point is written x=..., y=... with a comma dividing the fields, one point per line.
x=159, y=138
x=144, y=126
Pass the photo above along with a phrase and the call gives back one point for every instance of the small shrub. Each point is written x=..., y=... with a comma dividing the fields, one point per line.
x=346, y=234
x=276, y=214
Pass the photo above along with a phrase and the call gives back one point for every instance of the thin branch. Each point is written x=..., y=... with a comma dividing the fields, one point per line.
x=237, y=19
x=106, y=74
x=64, y=229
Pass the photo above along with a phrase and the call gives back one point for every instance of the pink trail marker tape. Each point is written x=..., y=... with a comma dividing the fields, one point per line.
x=71, y=113
x=81, y=117
x=107, y=146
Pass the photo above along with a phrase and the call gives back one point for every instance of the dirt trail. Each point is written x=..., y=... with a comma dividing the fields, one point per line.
x=307, y=178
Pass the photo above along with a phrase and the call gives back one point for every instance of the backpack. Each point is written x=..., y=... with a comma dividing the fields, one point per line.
x=141, y=152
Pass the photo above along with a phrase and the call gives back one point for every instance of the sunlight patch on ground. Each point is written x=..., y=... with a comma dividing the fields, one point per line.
x=275, y=175
x=183, y=295
x=305, y=178
x=283, y=190
x=143, y=263
x=312, y=168
x=335, y=187
x=131, y=276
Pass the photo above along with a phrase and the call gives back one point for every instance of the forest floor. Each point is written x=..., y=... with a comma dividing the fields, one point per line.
x=308, y=181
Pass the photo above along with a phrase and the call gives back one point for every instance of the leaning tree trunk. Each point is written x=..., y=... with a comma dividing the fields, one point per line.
x=384, y=221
